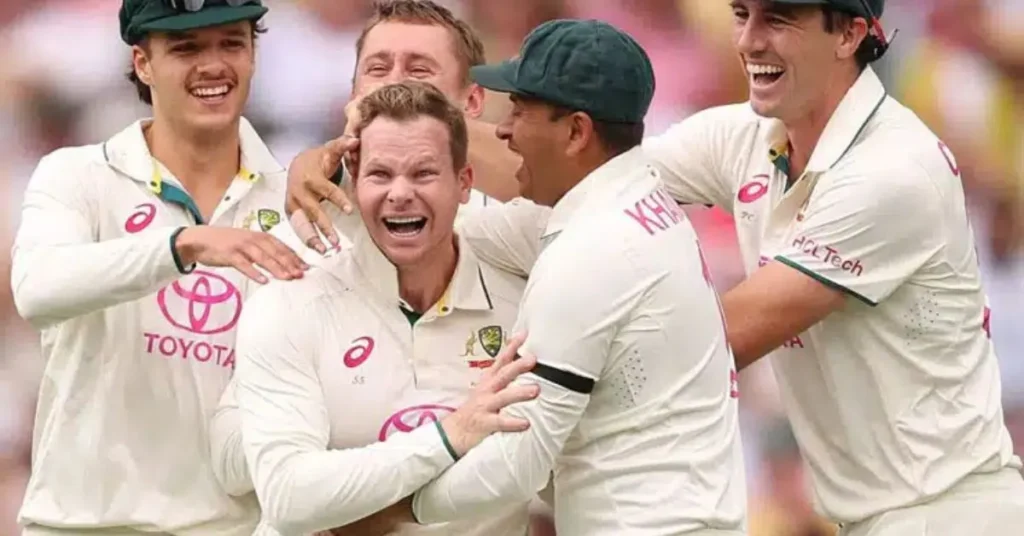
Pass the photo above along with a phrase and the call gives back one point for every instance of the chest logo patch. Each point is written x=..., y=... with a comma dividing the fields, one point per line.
x=409, y=419
x=267, y=218
x=139, y=220
x=202, y=302
x=753, y=190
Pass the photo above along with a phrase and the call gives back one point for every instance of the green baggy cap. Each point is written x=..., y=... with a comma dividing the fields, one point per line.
x=584, y=65
x=854, y=7
x=139, y=17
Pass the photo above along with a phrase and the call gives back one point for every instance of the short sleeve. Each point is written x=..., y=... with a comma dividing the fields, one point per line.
x=691, y=157
x=867, y=233
x=507, y=236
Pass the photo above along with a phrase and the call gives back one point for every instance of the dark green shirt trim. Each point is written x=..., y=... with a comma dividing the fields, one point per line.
x=411, y=316
x=447, y=444
x=824, y=280
x=174, y=253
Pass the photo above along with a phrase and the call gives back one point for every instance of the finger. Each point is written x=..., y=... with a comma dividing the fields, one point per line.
x=507, y=354
x=306, y=232
x=510, y=372
x=321, y=222
x=508, y=423
x=512, y=395
x=334, y=194
x=242, y=264
x=288, y=258
x=261, y=258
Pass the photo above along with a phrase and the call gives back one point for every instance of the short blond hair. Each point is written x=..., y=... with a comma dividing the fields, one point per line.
x=409, y=100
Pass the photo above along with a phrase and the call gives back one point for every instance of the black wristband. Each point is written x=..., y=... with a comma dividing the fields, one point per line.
x=174, y=253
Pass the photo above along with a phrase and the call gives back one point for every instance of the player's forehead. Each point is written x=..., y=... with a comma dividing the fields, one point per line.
x=405, y=144
x=771, y=7
x=403, y=41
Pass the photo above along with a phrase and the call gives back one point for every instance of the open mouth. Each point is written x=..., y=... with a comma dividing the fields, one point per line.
x=764, y=75
x=405, y=227
x=213, y=94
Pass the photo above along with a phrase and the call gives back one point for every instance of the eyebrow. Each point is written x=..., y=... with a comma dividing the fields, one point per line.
x=177, y=37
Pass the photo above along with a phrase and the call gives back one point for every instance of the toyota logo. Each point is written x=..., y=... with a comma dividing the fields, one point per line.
x=202, y=302
x=412, y=418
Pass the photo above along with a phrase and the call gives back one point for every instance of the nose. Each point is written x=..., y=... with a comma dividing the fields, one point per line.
x=504, y=129
x=400, y=193
x=212, y=66
x=750, y=37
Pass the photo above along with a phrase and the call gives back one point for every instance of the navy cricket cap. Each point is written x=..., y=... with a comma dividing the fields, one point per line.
x=583, y=65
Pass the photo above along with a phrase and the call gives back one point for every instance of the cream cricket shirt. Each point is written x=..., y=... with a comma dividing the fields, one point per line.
x=896, y=397
x=137, y=354
x=638, y=413
x=338, y=391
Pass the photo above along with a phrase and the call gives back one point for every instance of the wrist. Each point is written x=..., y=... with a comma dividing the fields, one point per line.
x=445, y=429
x=184, y=248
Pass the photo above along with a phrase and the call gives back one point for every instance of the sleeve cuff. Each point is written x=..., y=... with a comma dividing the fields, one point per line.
x=447, y=444
x=824, y=280
x=174, y=253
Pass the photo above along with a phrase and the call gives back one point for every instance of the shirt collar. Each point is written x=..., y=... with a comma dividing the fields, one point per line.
x=128, y=152
x=606, y=178
x=847, y=122
x=467, y=290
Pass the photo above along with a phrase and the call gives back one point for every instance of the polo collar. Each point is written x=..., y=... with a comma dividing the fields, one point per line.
x=468, y=289
x=128, y=153
x=847, y=122
x=605, y=180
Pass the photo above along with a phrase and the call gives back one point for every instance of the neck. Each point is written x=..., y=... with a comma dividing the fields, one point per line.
x=202, y=162
x=805, y=131
x=421, y=285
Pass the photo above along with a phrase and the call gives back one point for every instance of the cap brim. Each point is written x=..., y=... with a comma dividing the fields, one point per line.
x=496, y=77
x=204, y=18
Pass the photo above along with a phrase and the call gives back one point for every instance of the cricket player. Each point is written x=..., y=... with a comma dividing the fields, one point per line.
x=638, y=397
x=864, y=282
x=133, y=258
x=403, y=40
x=348, y=380
x=417, y=40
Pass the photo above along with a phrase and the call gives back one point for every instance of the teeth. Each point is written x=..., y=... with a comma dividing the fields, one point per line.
x=210, y=91
x=754, y=68
x=399, y=221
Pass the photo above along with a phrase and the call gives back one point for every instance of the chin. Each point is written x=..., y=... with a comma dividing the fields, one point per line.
x=404, y=257
x=764, y=109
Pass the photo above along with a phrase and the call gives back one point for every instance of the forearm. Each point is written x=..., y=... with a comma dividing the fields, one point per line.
x=494, y=165
x=305, y=492
x=773, y=306
x=53, y=283
x=505, y=468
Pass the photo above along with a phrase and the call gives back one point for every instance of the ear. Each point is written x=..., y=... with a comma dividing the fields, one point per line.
x=465, y=179
x=581, y=133
x=851, y=37
x=474, y=102
x=141, y=63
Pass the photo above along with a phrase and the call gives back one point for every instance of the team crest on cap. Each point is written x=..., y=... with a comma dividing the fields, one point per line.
x=268, y=218
x=491, y=339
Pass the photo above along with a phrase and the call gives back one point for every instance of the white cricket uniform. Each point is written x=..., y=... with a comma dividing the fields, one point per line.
x=637, y=413
x=137, y=353
x=334, y=380
x=895, y=398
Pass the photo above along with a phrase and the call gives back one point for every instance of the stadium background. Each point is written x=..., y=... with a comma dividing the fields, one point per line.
x=62, y=70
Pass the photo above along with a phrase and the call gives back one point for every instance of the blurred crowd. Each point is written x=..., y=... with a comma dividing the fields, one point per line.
x=958, y=63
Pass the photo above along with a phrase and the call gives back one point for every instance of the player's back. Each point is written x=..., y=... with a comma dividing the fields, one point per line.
x=657, y=450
